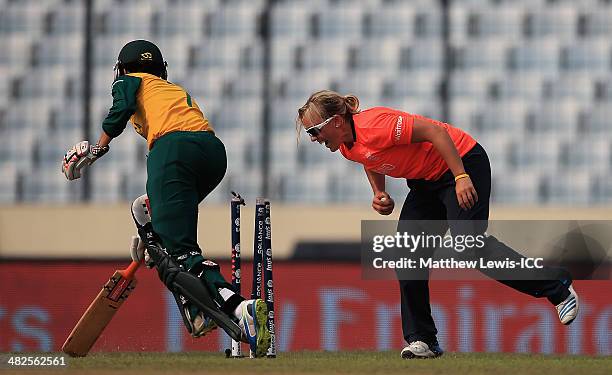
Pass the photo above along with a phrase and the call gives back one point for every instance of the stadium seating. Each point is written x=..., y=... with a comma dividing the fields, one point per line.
x=601, y=188
x=530, y=79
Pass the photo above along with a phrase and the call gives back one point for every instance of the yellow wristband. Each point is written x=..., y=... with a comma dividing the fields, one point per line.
x=460, y=176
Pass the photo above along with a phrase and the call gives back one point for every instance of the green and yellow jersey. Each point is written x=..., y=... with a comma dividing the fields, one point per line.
x=155, y=107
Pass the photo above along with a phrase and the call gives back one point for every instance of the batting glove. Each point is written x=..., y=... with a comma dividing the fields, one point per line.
x=80, y=156
x=139, y=253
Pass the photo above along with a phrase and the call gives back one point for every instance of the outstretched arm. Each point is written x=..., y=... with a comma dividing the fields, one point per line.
x=425, y=131
x=125, y=89
x=105, y=139
x=80, y=156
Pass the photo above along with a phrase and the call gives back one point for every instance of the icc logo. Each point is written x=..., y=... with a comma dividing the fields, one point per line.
x=148, y=56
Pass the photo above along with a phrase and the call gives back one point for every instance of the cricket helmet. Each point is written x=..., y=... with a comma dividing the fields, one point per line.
x=141, y=56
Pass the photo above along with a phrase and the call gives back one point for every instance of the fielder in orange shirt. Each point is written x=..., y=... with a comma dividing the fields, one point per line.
x=449, y=176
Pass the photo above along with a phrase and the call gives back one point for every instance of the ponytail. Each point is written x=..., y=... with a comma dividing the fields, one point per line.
x=352, y=103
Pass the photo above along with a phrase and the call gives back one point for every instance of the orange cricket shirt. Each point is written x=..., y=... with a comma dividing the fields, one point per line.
x=383, y=145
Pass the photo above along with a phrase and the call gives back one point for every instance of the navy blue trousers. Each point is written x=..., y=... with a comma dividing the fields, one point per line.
x=437, y=200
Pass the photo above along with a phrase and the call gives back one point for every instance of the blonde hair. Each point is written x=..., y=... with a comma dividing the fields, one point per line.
x=327, y=103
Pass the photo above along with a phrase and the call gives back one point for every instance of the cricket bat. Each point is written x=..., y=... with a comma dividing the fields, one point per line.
x=100, y=312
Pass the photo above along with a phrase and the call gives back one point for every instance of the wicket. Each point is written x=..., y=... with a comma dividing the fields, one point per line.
x=236, y=202
x=262, y=243
x=267, y=242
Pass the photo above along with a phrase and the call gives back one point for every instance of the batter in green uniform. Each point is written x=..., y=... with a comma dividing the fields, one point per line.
x=186, y=162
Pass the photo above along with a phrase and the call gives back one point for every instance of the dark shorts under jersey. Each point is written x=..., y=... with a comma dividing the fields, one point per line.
x=182, y=169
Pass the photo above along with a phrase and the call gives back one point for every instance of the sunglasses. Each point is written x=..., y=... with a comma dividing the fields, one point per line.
x=315, y=130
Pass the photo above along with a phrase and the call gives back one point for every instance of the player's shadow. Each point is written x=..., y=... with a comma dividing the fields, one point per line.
x=584, y=251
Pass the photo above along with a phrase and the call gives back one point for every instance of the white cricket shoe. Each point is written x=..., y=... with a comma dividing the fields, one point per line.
x=419, y=349
x=254, y=326
x=568, y=309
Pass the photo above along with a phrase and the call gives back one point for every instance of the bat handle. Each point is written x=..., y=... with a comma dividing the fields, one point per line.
x=129, y=272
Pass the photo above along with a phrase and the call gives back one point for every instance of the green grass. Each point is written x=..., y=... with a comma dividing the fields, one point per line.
x=333, y=363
